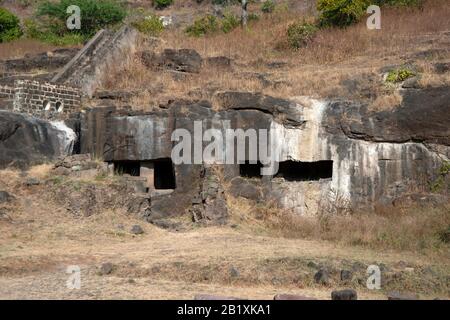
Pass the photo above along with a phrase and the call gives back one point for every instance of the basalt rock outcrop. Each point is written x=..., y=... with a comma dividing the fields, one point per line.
x=25, y=140
x=331, y=156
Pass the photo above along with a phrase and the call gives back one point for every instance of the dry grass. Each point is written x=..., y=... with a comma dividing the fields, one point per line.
x=21, y=47
x=319, y=70
x=411, y=229
x=43, y=239
x=260, y=40
x=386, y=102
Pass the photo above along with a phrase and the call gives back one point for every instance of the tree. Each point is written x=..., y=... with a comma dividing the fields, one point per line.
x=9, y=26
x=244, y=13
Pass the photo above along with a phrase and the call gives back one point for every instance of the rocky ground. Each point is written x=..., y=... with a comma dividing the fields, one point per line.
x=123, y=257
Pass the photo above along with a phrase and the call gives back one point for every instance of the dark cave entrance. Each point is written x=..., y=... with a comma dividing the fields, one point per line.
x=164, y=174
x=305, y=171
x=132, y=168
x=250, y=170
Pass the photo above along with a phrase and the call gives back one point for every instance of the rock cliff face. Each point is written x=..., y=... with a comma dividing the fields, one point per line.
x=331, y=156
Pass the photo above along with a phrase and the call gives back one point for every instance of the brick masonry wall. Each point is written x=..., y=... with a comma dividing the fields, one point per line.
x=6, y=92
x=46, y=100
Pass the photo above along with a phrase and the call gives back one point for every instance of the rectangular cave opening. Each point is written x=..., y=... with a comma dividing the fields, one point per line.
x=164, y=174
x=305, y=171
x=132, y=168
x=250, y=170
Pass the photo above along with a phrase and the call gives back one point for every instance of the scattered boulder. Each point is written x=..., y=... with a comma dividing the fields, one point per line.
x=292, y=297
x=346, y=275
x=5, y=197
x=183, y=60
x=4, y=215
x=442, y=67
x=220, y=62
x=167, y=224
x=106, y=268
x=395, y=295
x=61, y=171
x=234, y=272
x=411, y=83
x=32, y=182
x=322, y=277
x=137, y=229
x=346, y=294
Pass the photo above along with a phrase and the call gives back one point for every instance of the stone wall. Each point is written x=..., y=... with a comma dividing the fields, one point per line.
x=87, y=68
x=6, y=92
x=46, y=100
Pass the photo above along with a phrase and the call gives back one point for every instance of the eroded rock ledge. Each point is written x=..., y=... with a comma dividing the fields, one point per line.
x=334, y=156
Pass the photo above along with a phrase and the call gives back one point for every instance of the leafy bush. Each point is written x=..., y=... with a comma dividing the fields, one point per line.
x=95, y=14
x=203, y=26
x=253, y=16
x=9, y=26
x=268, y=6
x=399, y=75
x=150, y=25
x=341, y=13
x=230, y=22
x=299, y=34
x=398, y=3
x=161, y=4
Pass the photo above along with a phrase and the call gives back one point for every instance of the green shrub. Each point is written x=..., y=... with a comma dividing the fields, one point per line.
x=299, y=34
x=399, y=75
x=95, y=14
x=161, y=4
x=150, y=25
x=268, y=6
x=229, y=22
x=203, y=26
x=253, y=16
x=9, y=26
x=398, y=3
x=439, y=184
x=341, y=13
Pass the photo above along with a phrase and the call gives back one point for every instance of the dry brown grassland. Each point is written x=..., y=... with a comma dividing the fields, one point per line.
x=319, y=70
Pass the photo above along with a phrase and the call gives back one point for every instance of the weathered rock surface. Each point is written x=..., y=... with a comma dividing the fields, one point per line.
x=423, y=117
x=375, y=158
x=5, y=197
x=137, y=229
x=25, y=140
x=346, y=294
x=322, y=277
x=183, y=60
x=43, y=61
